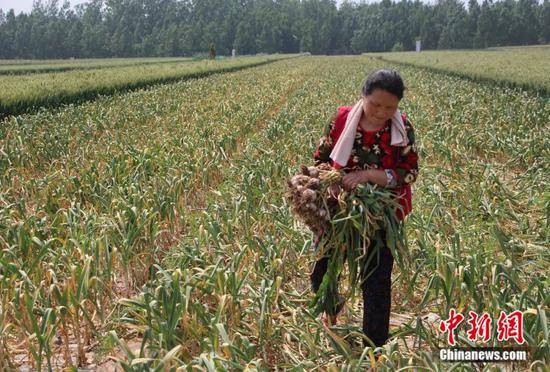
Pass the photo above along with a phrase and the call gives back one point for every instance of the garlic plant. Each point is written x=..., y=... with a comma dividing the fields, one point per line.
x=180, y=242
x=309, y=192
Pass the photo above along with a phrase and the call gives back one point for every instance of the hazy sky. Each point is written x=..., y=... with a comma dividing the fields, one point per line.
x=26, y=5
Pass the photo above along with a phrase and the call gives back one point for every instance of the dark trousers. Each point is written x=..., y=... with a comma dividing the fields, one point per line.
x=376, y=294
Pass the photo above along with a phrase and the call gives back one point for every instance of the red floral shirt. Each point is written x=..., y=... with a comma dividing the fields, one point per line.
x=371, y=149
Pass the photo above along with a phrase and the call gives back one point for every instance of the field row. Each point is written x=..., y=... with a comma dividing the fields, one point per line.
x=526, y=67
x=23, y=67
x=173, y=198
x=29, y=92
x=80, y=61
x=149, y=153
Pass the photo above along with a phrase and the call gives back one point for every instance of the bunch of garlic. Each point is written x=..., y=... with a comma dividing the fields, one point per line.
x=308, y=193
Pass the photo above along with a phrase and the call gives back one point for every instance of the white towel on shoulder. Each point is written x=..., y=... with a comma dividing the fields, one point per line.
x=342, y=149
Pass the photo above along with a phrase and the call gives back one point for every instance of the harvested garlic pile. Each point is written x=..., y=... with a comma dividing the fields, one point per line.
x=308, y=193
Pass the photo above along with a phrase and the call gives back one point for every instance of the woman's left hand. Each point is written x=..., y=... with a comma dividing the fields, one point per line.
x=351, y=180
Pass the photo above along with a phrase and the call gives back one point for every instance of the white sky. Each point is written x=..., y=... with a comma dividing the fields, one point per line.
x=26, y=5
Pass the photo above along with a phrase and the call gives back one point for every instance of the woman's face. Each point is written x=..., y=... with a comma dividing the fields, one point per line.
x=379, y=106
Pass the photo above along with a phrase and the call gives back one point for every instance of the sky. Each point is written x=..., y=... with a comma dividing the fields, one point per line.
x=26, y=5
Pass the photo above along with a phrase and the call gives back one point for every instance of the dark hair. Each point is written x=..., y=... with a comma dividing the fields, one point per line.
x=388, y=80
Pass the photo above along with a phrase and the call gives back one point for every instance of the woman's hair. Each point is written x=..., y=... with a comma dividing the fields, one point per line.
x=388, y=80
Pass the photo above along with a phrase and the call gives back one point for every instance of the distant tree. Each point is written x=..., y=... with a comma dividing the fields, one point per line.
x=347, y=23
x=485, y=24
x=268, y=26
x=131, y=28
x=245, y=40
x=94, y=32
x=22, y=37
x=3, y=40
x=529, y=29
x=121, y=44
x=454, y=22
x=472, y=20
x=545, y=21
x=289, y=25
x=429, y=30
x=318, y=26
x=7, y=35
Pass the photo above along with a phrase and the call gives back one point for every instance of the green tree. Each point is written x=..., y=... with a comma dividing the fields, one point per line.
x=347, y=23
x=245, y=40
x=484, y=26
x=429, y=32
x=453, y=24
x=529, y=29
x=545, y=21
x=94, y=33
x=7, y=34
x=103, y=28
x=318, y=26
x=473, y=17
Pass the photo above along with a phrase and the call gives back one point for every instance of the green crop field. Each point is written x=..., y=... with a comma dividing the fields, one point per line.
x=150, y=226
x=21, y=67
x=28, y=92
x=525, y=67
x=82, y=61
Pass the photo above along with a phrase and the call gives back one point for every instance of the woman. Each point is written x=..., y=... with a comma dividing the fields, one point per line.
x=372, y=142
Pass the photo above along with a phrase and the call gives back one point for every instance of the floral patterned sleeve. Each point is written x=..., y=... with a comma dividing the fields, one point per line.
x=326, y=143
x=406, y=169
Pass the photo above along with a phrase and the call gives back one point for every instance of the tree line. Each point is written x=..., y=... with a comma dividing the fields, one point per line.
x=147, y=28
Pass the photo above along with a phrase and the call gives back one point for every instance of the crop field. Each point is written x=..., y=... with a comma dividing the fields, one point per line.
x=21, y=67
x=149, y=228
x=524, y=67
x=28, y=92
x=83, y=61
